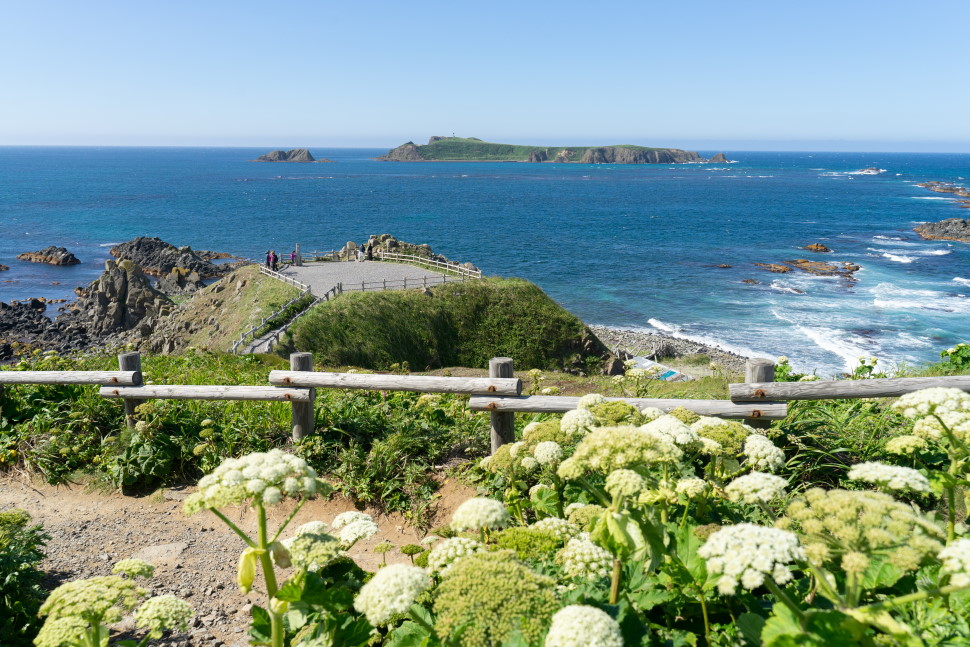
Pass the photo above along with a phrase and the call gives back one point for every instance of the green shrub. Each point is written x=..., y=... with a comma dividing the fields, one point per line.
x=20, y=592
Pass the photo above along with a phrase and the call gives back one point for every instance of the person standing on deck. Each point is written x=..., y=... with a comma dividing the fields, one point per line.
x=269, y=259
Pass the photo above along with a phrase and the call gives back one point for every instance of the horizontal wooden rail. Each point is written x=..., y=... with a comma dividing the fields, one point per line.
x=121, y=378
x=426, y=384
x=205, y=392
x=561, y=403
x=841, y=389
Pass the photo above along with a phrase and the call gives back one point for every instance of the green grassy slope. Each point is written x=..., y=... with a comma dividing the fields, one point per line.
x=460, y=148
x=460, y=324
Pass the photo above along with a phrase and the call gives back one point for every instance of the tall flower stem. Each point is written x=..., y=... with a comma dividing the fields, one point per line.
x=275, y=618
x=707, y=622
x=615, y=581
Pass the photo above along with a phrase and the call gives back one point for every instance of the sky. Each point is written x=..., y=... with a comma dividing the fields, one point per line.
x=855, y=75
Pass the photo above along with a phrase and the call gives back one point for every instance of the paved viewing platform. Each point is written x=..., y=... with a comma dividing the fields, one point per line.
x=324, y=275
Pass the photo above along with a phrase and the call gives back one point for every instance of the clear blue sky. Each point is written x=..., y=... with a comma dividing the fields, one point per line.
x=704, y=74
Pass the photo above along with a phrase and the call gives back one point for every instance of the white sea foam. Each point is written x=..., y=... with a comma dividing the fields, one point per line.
x=898, y=258
x=879, y=237
x=929, y=197
x=962, y=281
x=848, y=347
x=893, y=297
x=109, y=244
x=913, y=340
x=781, y=287
x=675, y=331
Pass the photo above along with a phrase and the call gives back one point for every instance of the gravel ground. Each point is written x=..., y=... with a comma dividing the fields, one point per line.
x=657, y=345
x=195, y=557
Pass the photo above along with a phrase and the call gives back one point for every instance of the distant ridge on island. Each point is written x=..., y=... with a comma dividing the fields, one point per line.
x=293, y=155
x=472, y=149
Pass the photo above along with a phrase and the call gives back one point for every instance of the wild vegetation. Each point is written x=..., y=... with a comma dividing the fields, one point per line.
x=458, y=324
x=842, y=524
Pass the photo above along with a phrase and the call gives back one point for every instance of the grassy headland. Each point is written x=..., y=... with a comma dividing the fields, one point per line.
x=458, y=324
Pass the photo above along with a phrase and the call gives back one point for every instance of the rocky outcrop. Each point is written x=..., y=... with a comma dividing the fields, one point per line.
x=565, y=155
x=946, y=187
x=950, y=229
x=817, y=247
x=718, y=159
x=404, y=153
x=389, y=243
x=293, y=155
x=538, y=156
x=625, y=155
x=51, y=256
x=24, y=325
x=844, y=269
x=437, y=138
x=157, y=258
x=3, y=268
x=122, y=299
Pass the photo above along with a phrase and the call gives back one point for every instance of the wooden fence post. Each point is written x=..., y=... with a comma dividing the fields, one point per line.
x=130, y=362
x=759, y=370
x=302, y=411
x=503, y=424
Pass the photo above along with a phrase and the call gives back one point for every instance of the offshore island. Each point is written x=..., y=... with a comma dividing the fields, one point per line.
x=472, y=149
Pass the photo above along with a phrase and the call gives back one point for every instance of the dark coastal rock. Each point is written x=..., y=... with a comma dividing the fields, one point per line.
x=774, y=267
x=157, y=258
x=718, y=159
x=750, y=282
x=121, y=299
x=51, y=256
x=24, y=325
x=817, y=247
x=538, y=156
x=3, y=268
x=565, y=155
x=294, y=155
x=388, y=243
x=950, y=229
x=946, y=187
x=407, y=152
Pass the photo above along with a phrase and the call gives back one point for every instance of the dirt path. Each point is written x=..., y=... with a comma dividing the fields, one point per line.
x=195, y=557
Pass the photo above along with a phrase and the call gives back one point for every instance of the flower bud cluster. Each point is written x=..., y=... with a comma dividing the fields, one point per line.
x=756, y=487
x=835, y=522
x=391, y=592
x=610, y=448
x=448, y=551
x=625, y=483
x=747, y=554
x=583, y=626
x=480, y=513
x=651, y=413
x=264, y=478
x=692, y=488
x=906, y=445
x=577, y=422
x=163, y=612
x=590, y=400
x=891, y=477
x=678, y=432
x=561, y=528
x=582, y=558
x=729, y=434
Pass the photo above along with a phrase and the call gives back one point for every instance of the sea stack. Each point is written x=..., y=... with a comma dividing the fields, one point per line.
x=51, y=256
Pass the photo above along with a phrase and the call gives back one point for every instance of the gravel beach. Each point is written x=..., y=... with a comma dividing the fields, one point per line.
x=659, y=345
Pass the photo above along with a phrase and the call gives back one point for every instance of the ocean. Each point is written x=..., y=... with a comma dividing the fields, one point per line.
x=635, y=247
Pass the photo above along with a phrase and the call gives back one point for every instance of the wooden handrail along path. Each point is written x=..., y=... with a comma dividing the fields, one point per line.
x=450, y=266
x=756, y=400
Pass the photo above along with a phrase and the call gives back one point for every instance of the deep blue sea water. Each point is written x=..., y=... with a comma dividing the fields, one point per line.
x=629, y=246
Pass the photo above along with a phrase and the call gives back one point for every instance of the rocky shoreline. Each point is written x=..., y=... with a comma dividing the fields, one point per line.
x=657, y=345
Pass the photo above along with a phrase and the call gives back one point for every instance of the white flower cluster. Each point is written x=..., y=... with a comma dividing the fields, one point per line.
x=651, y=413
x=608, y=448
x=529, y=464
x=956, y=562
x=559, y=527
x=391, y=592
x=936, y=400
x=762, y=453
x=538, y=487
x=624, y=483
x=582, y=558
x=478, y=513
x=583, y=626
x=515, y=448
x=931, y=427
x=672, y=428
x=891, y=477
x=313, y=528
x=263, y=477
x=756, y=487
x=590, y=400
x=692, y=488
x=747, y=554
x=448, y=551
x=352, y=526
x=577, y=422
x=548, y=452
x=311, y=549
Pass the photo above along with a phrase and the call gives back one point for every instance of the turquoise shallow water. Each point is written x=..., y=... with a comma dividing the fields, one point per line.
x=628, y=246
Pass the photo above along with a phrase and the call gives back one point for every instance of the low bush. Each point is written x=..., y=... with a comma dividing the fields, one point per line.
x=21, y=551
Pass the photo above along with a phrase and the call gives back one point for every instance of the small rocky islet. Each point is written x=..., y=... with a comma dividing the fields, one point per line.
x=51, y=256
x=295, y=155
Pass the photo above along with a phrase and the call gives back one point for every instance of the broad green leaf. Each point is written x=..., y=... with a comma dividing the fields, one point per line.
x=751, y=626
x=881, y=573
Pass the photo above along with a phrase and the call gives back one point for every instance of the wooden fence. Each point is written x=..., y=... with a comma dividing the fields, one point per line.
x=758, y=400
x=450, y=266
